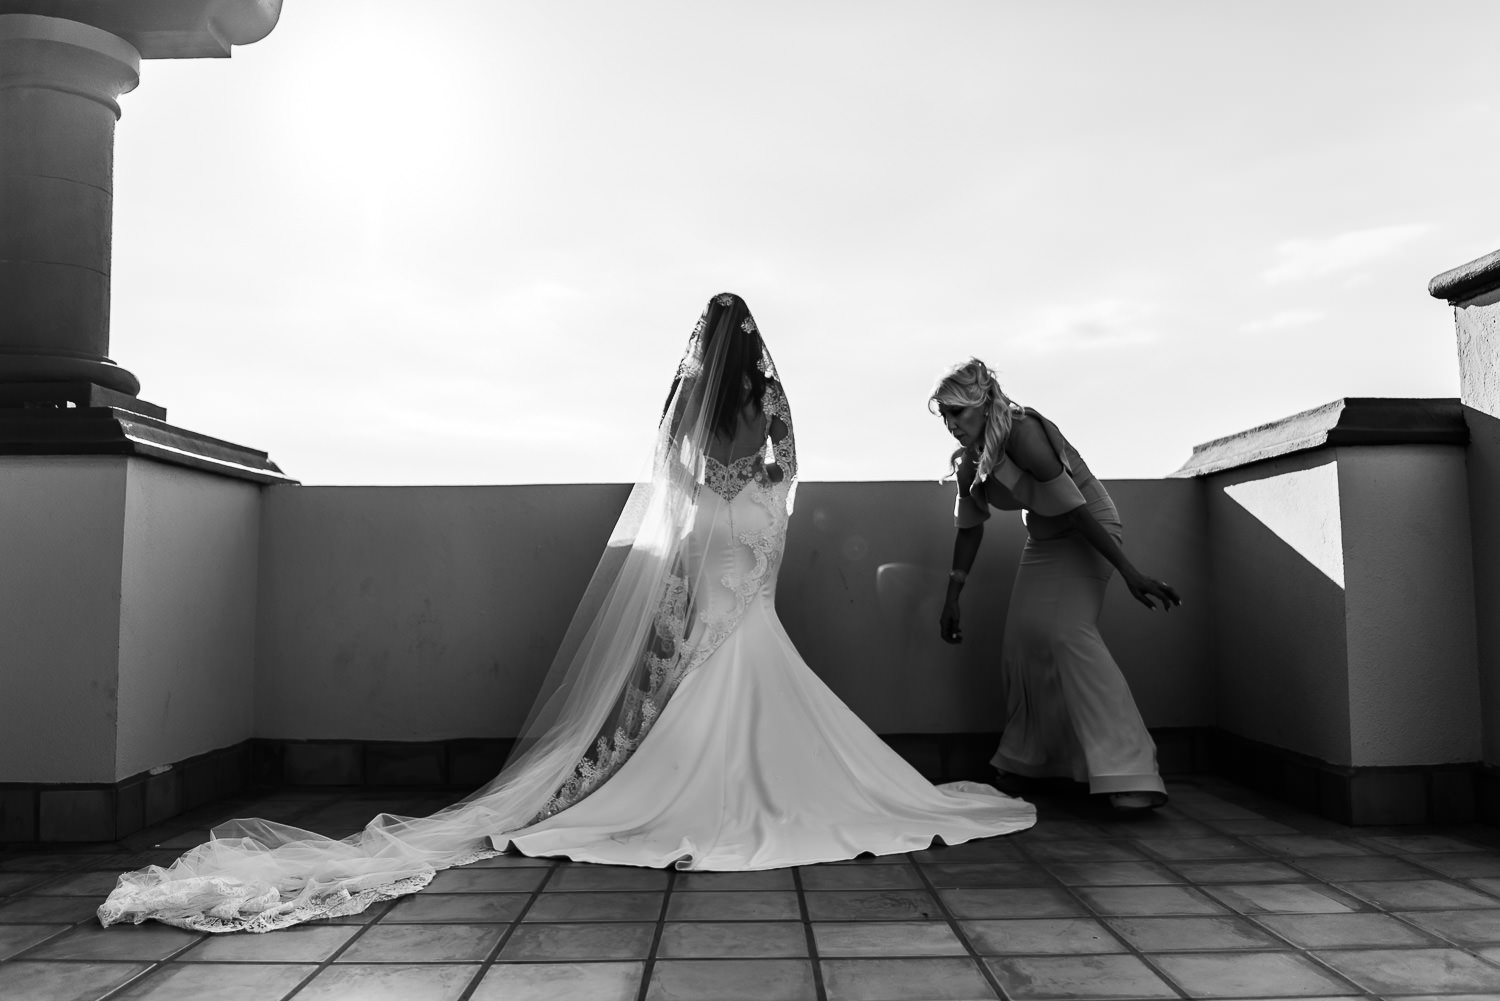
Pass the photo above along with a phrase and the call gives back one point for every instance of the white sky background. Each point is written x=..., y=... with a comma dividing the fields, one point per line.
x=464, y=241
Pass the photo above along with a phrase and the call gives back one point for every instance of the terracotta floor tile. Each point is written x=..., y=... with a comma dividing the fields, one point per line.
x=41, y=862
x=1411, y=894
x=509, y=880
x=300, y=944
x=739, y=939
x=595, y=940
x=217, y=981
x=78, y=884
x=1282, y=898
x=1180, y=849
x=1248, y=871
x=65, y=981
x=1459, y=866
x=559, y=981
x=762, y=879
x=1258, y=825
x=1330, y=931
x=1416, y=844
x=1307, y=845
x=48, y=910
x=1019, y=902
x=988, y=874
x=468, y=908
x=1466, y=927
x=1112, y=873
x=1096, y=850
x=16, y=882
x=18, y=938
x=901, y=979
x=735, y=905
x=990, y=850
x=860, y=877
x=1193, y=934
x=1338, y=869
x=424, y=944
x=607, y=877
x=1250, y=974
x=150, y=941
x=1153, y=900
x=1407, y=971
x=389, y=982
x=871, y=905
x=731, y=980
x=1034, y=978
x=880, y=939
x=590, y=906
x=1040, y=937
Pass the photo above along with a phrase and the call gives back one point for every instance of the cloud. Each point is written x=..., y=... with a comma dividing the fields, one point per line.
x=1284, y=319
x=1100, y=325
x=1298, y=260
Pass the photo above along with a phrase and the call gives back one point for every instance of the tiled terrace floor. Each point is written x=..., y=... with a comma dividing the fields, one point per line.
x=1220, y=895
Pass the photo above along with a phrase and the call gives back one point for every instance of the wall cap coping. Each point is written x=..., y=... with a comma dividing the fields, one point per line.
x=1466, y=281
x=1353, y=420
x=166, y=29
x=105, y=430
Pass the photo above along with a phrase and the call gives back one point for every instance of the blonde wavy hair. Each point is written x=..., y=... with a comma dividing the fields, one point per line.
x=971, y=384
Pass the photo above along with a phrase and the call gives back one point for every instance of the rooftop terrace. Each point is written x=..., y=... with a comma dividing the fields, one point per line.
x=1222, y=894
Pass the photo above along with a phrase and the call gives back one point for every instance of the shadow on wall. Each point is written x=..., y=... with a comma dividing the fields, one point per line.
x=1279, y=643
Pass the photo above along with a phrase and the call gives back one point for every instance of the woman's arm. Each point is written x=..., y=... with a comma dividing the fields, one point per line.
x=1029, y=448
x=965, y=548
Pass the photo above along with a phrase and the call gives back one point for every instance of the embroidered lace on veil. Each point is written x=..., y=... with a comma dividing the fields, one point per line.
x=653, y=611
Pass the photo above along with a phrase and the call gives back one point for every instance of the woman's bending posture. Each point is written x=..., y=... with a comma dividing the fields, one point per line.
x=1068, y=711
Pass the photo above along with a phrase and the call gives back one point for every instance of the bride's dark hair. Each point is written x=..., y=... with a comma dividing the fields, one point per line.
x=743, y=381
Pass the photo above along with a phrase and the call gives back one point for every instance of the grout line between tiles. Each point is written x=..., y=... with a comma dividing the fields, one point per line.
x=820, y=991
x=649, y=966
x=963, y=939
x=505, y=936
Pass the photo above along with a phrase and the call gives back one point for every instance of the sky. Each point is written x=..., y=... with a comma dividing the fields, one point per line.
x=464, y=241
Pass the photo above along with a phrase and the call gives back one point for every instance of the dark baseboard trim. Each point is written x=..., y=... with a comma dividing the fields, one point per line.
x=1359, y=796
x=34, y=813
x=45, y=812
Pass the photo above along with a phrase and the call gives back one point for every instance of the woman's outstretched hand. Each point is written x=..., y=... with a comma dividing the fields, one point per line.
x=1144, y=588
x=949, y=623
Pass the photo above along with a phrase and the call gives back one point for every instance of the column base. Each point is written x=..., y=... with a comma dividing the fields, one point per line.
x=87, y=419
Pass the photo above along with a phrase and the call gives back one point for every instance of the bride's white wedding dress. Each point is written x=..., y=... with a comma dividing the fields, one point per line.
x=754, y=763
x=677, y=727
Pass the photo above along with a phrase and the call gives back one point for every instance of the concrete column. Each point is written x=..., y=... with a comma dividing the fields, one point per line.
x=58, y=83
x=1473, y=289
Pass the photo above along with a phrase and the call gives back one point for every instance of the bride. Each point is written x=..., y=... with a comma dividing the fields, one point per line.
x=678, y=725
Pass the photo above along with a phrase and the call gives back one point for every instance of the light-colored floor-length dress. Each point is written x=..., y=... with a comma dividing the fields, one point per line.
x=1068, y=710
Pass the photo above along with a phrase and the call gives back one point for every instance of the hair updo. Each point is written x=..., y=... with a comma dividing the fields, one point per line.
x=971, y=384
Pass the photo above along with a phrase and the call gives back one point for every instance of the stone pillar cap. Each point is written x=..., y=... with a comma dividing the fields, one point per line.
x=165, y=29
x=1353, y=420
x=1467, y=280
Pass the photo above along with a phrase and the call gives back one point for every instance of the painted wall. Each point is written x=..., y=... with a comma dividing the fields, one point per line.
x=60, y=559
x=418, y=613
x=1279, y=641
x=421, y=613
x=1413, y=667
x=188, y=615
x=1478, y=329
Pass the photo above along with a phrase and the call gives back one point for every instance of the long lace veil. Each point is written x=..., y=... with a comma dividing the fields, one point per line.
x=635, y=634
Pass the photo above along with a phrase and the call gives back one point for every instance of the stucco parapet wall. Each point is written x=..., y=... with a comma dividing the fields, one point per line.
x=1467, y=280
x=166, y=29
x=1354, y=420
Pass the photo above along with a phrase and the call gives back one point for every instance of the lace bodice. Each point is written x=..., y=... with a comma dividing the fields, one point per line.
x=778, y=452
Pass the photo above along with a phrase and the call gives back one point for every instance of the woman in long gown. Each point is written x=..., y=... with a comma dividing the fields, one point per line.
x=678, y=726
x=1068, y=710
